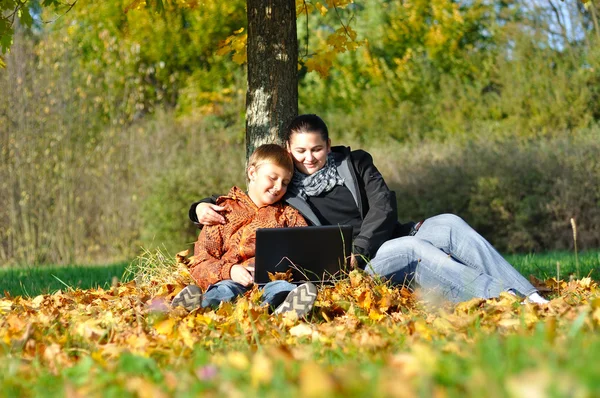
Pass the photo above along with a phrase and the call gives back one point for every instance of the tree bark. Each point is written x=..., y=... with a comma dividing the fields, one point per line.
x=272, y=97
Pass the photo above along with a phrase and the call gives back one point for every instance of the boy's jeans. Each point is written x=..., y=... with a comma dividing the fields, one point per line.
x=448, y=257
x=273, y=292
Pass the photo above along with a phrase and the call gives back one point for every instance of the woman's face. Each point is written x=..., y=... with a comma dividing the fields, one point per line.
x=309, y=151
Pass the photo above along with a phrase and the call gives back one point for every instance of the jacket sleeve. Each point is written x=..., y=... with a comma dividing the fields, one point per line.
x=192, y=213
x=293, y=218
x=210, y=264
x=381, y=218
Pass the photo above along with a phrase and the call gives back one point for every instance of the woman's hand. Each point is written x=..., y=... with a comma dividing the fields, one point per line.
x=242, y=275
x=353, y=261
x=207, y=214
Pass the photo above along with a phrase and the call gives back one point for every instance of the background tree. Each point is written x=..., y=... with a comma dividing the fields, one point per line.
x=272, y=96
x=112, y=122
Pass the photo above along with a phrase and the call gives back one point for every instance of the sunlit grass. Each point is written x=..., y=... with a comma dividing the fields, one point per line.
x=544, y=265
x=31, y=280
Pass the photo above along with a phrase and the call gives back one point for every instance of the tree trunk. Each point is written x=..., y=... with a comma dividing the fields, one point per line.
x=272, y=97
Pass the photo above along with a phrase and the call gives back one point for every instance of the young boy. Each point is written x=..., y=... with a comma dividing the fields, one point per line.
x=224, y=254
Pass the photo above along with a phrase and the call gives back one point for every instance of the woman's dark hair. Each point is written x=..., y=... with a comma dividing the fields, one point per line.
x=308, y=123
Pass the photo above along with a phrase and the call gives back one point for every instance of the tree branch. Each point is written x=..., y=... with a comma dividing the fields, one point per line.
x=71, y=5
x=307, y=30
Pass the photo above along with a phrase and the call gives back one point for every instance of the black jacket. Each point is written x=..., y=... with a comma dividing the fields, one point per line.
x=375, y=201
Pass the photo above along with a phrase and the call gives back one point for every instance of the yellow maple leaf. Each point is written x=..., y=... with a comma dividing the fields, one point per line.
x=302, y=7
x=585, y=282
x=406, y=363
x=596, y=315
x=37, y=301
x=356, y=278
x=315, y=382
x=350, y=32
x=261, y=372
x=281, y=276
x=289, y=318
x=339, y=3
x=509, y=323
x=375, y=315
x=165, y=327
x=321, y=63
x=365, y=299
x=144, y=388
x=235, y=43
x=5, y=305
x=137, y=341
x=224, y=48
x=90, y=329
x=185, y=334
x=301, y=330
x=239, y=58
x=181, y=257
x=322, y=9
x=338, y=40
x=237, y=360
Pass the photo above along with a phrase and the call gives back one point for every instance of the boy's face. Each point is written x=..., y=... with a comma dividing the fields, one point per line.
x=268, y=183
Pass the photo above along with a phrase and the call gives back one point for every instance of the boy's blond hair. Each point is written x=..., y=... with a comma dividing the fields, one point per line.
x=271, y=153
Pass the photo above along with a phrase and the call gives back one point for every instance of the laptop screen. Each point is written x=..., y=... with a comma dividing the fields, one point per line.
x=316, y=253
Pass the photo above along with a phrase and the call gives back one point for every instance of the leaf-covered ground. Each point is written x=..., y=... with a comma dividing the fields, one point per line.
x=363, y=338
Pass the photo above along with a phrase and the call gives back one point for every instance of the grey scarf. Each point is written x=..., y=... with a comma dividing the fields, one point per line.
x=322, y=181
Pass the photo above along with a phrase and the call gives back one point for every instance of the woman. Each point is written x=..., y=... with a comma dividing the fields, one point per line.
x=334, y=185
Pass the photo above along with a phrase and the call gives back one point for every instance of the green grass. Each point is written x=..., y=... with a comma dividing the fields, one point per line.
x=543, y=265
x=32, y=281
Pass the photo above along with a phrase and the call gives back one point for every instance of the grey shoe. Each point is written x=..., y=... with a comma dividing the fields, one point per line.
x=301, y=300
x=189, y=298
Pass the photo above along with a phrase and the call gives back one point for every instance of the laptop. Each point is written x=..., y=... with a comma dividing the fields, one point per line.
x=316, y=254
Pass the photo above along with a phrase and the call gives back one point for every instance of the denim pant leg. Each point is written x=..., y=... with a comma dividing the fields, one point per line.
x=225, y=290
x=275, y=292
x=455, y=237
x=410, y=259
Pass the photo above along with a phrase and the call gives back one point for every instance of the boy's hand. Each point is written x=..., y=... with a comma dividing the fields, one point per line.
x=208, y=214
x=241, y=275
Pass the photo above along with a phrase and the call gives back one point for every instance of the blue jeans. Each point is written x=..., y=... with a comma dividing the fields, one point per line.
x=226, y=290
x=449, y=257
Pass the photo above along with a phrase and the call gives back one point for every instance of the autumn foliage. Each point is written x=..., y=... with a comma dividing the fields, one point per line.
x=408, y=335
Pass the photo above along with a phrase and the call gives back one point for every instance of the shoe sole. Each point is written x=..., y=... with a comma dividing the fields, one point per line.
x=189, y=298
x=301, y=300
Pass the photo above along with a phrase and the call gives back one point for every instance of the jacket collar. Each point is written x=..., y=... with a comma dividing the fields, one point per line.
x=238, y=194
x=342, y=163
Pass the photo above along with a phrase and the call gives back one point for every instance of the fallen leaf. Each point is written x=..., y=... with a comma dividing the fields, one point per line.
x=315, y=381
x=261, y=372
x=238, y=360
x=301, y=330
x=165, y=327
x=281, y=276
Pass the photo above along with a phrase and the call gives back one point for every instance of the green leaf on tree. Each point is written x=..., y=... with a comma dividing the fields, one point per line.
x=25, y=16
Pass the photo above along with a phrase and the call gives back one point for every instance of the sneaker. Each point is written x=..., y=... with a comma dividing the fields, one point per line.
x=189, y=298
x=301, y=300
x=536, y=299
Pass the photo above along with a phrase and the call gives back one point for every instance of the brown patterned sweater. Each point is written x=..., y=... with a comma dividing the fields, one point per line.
x=220, y=247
